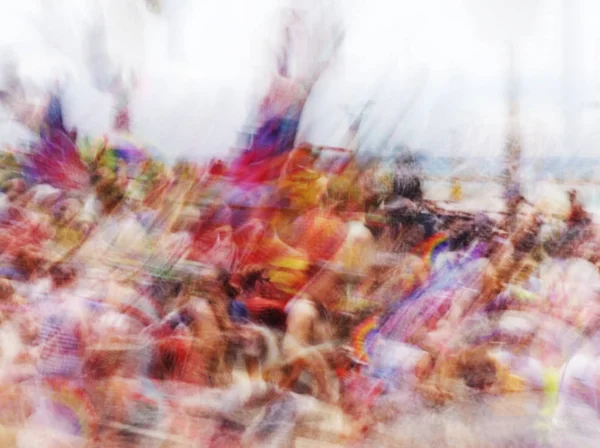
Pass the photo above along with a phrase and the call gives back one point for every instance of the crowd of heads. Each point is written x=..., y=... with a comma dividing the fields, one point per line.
x=155, y=274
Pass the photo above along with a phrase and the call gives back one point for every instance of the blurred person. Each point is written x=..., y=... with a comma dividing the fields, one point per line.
x=241, y=336
x=404, y=232
x=255, y=344
x=400, y=268
x=407, y=183
x=171, y=342
x=357, y=252
x=577, y=214
x=261, y=300
x=191, y=341
x=467, y=373
x=396, y=271
x=578, y=222
x=311, y=334
x=376, y=183
x=279, y=113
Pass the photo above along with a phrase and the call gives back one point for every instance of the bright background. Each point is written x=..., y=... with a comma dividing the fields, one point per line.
x=436, y=70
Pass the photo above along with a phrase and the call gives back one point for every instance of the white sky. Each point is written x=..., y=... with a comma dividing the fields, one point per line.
x=203, y=63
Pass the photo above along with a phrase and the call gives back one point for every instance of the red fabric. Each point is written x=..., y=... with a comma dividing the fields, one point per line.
x=263, y=251
x=248, y=169
x=268, y=311
x=257, y=305
x=215, y=247
x=217, y=168
x=203, y=243
x=177, y=349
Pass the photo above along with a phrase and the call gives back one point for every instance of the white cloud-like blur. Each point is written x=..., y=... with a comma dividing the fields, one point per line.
x=436, y=70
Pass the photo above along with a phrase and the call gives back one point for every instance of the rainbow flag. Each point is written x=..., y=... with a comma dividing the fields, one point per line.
x=431, y=248
x=363, y=336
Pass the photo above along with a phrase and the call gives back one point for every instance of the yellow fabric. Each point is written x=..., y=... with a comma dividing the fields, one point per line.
x=551, y=386
x=288, y=273
x=304, y=189
x=285, y=266
x=291, y=263
x=287, y=282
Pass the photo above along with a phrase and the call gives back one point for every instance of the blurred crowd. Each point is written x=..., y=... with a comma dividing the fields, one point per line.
x=297, y=294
